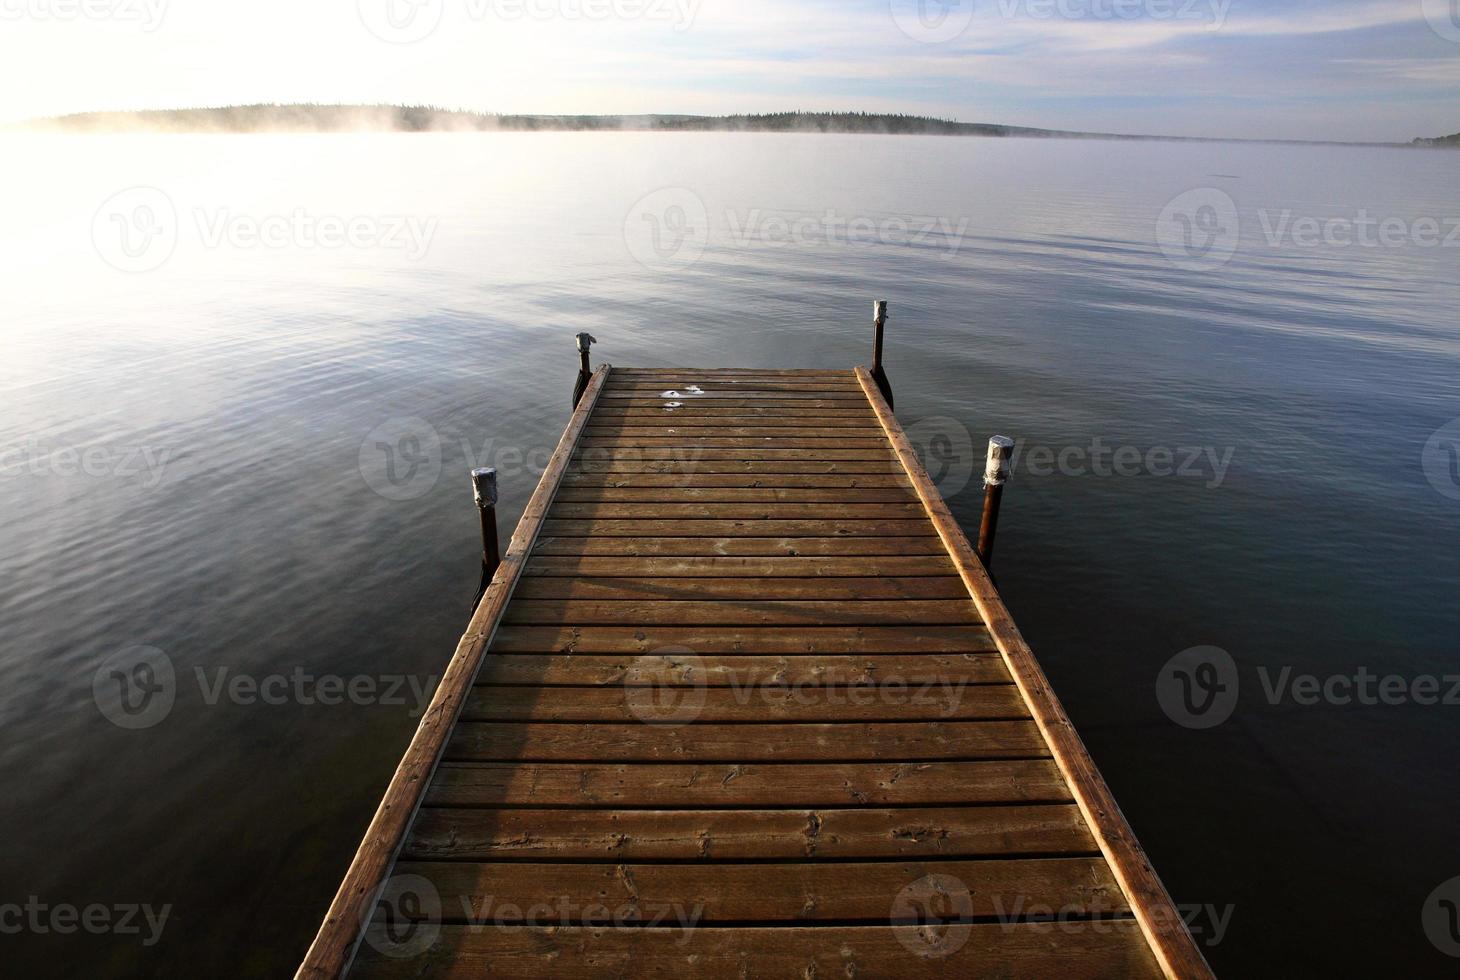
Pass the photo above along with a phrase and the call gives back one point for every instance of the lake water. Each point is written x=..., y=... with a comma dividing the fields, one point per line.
x=203, y=338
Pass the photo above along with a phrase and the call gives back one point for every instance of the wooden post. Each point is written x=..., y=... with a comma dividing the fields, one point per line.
x=996, y=474
x=879, y=320
x=585, y=373
x=484, y=487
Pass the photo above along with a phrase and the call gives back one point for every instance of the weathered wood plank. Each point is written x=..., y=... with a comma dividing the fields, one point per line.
x=768, y=400
x=738, y=671
x=888, y=699
x=761, y=469
x=802, y=528
x=748, y=612
x=806, y=641
x=692, y=445
x=760, y=588
x=722, y=835
x=1113, y=950
x=854, y=567
x=737, y=371
x=689, y=391
x=825, y=891
x=734, y=495
x=747, y=511
x=693, y=455
x=722, y=428
x=758, y=418
x=743, y=783
x=802, y=742
x=768, y=482
x=738, y=547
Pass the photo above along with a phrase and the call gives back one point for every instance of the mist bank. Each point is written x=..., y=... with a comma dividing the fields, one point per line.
x=309, y=118
x=312, y=118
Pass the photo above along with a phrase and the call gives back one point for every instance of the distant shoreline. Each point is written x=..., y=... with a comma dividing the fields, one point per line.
x=324, y=119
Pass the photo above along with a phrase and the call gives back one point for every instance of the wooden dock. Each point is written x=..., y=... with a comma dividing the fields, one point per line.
x=742, y=701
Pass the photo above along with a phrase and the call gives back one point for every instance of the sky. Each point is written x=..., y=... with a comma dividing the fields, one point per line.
x=1333, y=69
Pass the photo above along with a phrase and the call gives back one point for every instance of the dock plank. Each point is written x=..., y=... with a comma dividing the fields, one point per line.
x=754, y=588
x=673, y=740
x=822, y=834
x=615, y=785
x=729, y=612
x=661, y=670
x=813, y=641
x=891, y=699
x=758, y=893
x=1117, y=949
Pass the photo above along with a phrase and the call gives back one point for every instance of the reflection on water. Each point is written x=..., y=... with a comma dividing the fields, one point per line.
x=245, y=380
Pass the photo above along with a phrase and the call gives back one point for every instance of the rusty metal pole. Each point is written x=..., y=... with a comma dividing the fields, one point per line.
x=996, y=474
x=484, y=487
x=879, y=321
x=585, y=371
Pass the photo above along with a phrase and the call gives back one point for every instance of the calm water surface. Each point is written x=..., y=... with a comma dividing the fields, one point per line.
x=192, y=465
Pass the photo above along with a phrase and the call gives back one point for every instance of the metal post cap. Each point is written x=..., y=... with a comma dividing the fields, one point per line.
x=997, y=473
x=879, y=311
x=484, y=486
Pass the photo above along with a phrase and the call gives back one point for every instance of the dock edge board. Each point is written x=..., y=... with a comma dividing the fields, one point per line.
x=344, y=925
